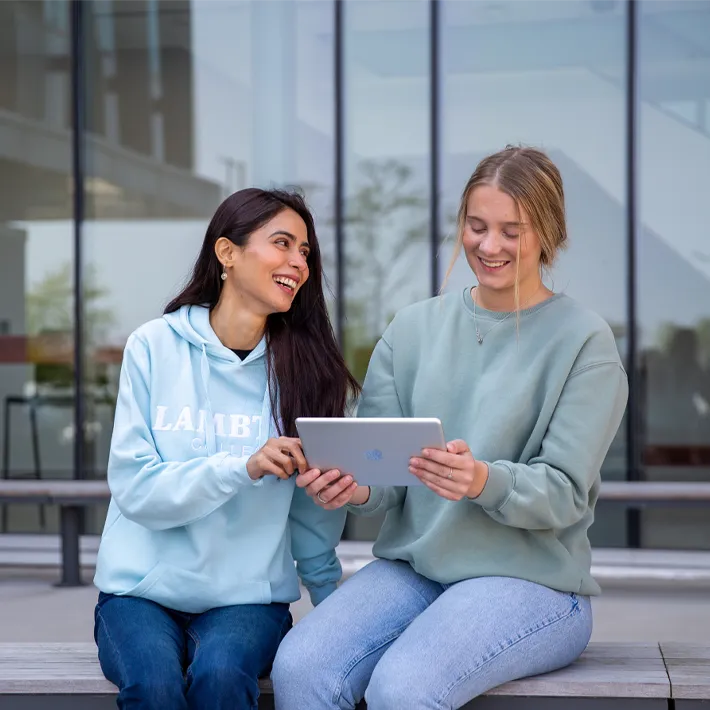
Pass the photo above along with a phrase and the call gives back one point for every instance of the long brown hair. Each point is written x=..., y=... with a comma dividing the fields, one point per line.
x=535, y=184
x=307, y=374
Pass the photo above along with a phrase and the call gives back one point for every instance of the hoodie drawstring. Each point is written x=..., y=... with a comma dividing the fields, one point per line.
x=209, y=424
x=210, y=435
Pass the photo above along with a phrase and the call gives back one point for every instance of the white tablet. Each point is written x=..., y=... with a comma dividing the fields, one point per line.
x=375, y=452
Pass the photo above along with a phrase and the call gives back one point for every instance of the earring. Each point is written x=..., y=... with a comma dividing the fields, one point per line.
x=224, y=273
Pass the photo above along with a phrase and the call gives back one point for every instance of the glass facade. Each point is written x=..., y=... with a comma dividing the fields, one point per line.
x=372, y=108
x=673, y=250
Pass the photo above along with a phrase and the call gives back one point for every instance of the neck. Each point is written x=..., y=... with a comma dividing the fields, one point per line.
x=504, y=300
x=237, y=327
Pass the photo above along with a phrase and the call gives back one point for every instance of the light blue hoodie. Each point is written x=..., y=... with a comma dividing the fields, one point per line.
x=187, y=527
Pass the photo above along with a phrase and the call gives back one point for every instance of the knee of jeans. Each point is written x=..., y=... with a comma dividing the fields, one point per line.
x=387, y=691
x=153, y=694
x=291, y=662
x=219, y=672
x=394, y=688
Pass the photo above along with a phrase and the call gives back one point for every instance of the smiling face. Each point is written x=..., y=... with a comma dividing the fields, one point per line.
x=272, y=267
x=500, y=243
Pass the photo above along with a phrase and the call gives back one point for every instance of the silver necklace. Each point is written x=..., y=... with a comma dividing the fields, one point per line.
x=480, y=337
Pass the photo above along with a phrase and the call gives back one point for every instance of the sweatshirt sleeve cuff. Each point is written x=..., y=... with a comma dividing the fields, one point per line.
x=234, y=470
x=498, y=487
x=371, y=505
x=320, y=592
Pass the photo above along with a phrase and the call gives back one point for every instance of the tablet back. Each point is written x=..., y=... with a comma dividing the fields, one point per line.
x=375, y=452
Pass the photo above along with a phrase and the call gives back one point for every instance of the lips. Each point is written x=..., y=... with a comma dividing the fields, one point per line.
x=286, y=284
x=493, y=265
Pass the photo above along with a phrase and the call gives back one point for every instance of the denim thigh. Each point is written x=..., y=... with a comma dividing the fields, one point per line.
x=141, y=651
x=228, y=649
x=479, y=634
x=326, y=660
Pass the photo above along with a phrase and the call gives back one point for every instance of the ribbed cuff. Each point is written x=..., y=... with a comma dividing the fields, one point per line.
x=319, y=593
x=236, y=471
x=498, y=487
x=371, y=505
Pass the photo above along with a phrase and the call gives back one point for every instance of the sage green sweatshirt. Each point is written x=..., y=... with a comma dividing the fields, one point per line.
x=539, y=401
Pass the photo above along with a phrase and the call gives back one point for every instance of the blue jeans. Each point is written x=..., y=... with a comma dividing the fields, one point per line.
x=162, y=659
x=403, y=641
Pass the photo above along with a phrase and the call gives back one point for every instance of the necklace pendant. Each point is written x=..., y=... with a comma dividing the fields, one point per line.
x=478, y=337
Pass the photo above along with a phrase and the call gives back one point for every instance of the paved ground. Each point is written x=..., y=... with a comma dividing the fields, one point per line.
x=32, y=609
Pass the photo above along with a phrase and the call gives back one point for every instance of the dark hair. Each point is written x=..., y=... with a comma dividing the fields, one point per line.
x=307, y=374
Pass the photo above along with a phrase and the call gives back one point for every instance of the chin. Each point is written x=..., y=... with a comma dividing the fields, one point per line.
x=493, y=283
x=283, y=305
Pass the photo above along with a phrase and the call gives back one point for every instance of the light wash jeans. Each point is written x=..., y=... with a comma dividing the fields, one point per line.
x=405, y=642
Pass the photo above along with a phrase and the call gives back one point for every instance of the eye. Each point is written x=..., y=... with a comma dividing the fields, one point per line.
x=510, y=236
x=479, y=230
x=282, y=242
x=305, y=253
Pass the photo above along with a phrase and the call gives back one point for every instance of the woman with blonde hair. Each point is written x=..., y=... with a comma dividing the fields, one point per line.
x=483, y=572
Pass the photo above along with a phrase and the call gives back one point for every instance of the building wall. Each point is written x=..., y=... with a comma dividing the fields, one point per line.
x=186, y=102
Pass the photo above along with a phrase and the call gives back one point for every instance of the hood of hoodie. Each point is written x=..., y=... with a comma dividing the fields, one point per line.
x=192, y=323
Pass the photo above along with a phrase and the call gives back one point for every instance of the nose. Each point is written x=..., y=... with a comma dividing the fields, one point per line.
x=490, y=244
x=298, y=261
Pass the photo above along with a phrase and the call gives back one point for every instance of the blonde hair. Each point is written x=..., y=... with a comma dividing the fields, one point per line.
x=535, y=185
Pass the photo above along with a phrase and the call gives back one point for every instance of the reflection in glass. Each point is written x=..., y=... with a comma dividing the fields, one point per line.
x=36, y=286
x=552, y=75
x=386, y=214
x=187, y=103
x=674, y=258
x=386, y=230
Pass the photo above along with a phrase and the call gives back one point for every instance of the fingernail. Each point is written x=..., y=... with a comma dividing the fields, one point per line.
x=426, y=452
x=413, y=461
x=412, y=469
x=347, y=479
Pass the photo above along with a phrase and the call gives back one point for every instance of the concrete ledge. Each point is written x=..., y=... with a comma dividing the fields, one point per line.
x=662, y=569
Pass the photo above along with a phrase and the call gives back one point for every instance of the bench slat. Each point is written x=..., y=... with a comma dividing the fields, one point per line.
x=614, y=670
x=688, y=667
x=604, y=671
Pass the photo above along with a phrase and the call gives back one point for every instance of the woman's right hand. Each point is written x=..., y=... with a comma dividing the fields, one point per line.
x=278, y=457
x=330, y=490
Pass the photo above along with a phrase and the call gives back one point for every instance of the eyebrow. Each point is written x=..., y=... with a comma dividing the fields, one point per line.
x=290, y=237
x=507, y=224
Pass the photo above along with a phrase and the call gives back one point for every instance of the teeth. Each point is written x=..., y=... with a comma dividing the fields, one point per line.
x=493, y=264
x=285, y=281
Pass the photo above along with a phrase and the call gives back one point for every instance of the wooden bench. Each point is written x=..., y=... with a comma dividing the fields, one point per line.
x=606, y=677
x=688, y=667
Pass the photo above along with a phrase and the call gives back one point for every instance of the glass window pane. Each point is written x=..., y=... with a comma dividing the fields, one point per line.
x=36, y=253
x=551, y=75
x=386, y=231
x=674, y=258
x=187, y=103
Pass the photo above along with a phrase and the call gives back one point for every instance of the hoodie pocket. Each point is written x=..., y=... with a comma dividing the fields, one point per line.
x=148, y=582
x=182, y=590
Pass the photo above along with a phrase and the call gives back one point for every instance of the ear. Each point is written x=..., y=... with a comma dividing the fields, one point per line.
x=225, y=251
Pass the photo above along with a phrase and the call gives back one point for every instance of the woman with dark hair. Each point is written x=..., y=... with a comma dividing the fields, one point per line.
x=196, y=563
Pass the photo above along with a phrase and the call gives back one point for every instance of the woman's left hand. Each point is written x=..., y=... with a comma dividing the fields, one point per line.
x=452, y=474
